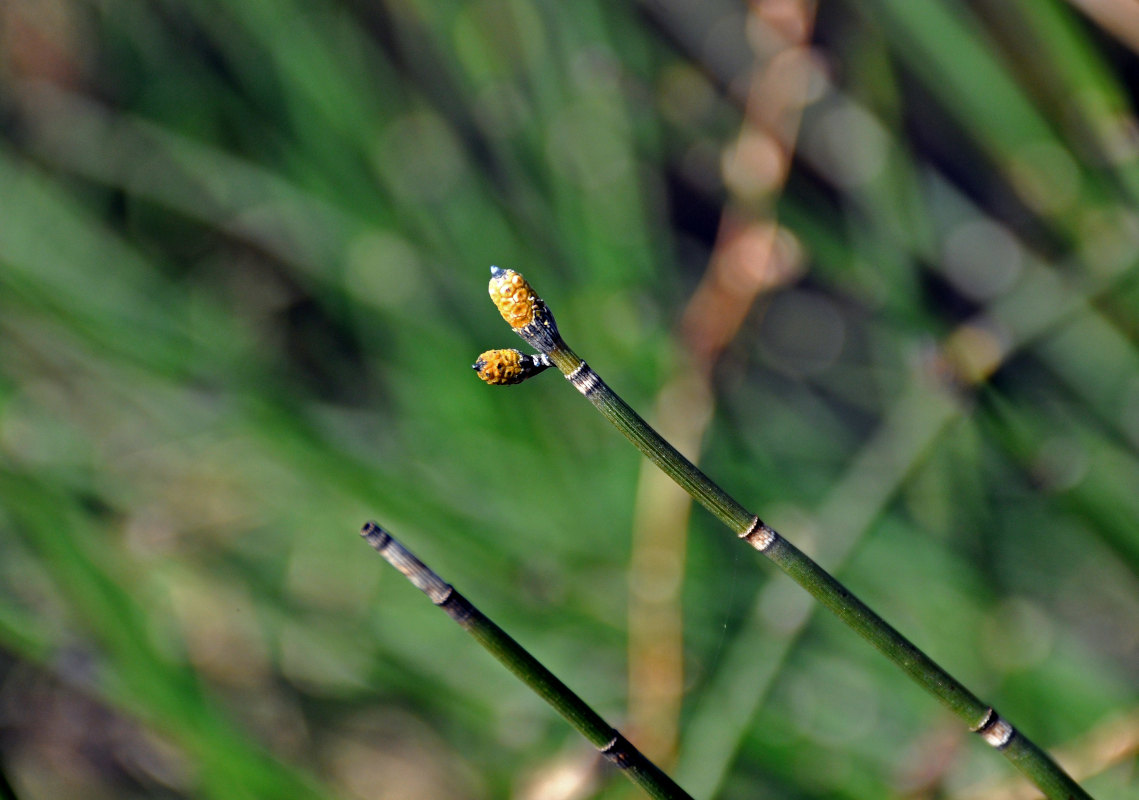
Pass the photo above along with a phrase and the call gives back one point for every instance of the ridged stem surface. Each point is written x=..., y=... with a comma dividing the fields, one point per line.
x=531, y=319
x=609, y=742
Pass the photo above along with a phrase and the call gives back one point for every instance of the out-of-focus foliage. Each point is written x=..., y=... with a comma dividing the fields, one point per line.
x=243, y=262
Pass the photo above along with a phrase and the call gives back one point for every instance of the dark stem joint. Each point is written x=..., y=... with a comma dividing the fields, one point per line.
x=584, y=379
x=457, y=607
x=758, y=535
x=994, y=730
x=618, y=751
x=449, y=595
x=542, y=334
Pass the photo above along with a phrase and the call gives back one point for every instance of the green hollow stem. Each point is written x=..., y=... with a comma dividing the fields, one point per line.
x=609, y=742
x=981, y=718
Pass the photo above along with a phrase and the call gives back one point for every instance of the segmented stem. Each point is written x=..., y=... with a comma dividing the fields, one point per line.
x=608, y=741
x=531, y=319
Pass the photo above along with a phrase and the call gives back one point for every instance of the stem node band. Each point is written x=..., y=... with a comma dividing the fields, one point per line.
x=994, y=730
x=759, y=535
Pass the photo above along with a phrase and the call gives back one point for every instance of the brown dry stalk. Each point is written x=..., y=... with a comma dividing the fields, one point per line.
x=747, y=260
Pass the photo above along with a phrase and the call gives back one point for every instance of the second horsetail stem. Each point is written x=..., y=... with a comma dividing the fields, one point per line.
x=608, y=741
x=526, y=312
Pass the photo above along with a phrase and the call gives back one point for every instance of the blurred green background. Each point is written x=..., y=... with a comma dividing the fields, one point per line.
x=872, y=263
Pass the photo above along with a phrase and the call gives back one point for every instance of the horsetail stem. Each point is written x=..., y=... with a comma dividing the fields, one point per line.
x=526, y=312
x=608, y=741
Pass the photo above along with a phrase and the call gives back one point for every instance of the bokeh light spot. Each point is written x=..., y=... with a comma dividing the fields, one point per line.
x=383, y=269
x=803, y=332
x=420, y=157
x=1016, y=635
x=981, y=259
x=1045, y=177
x=849, y=145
